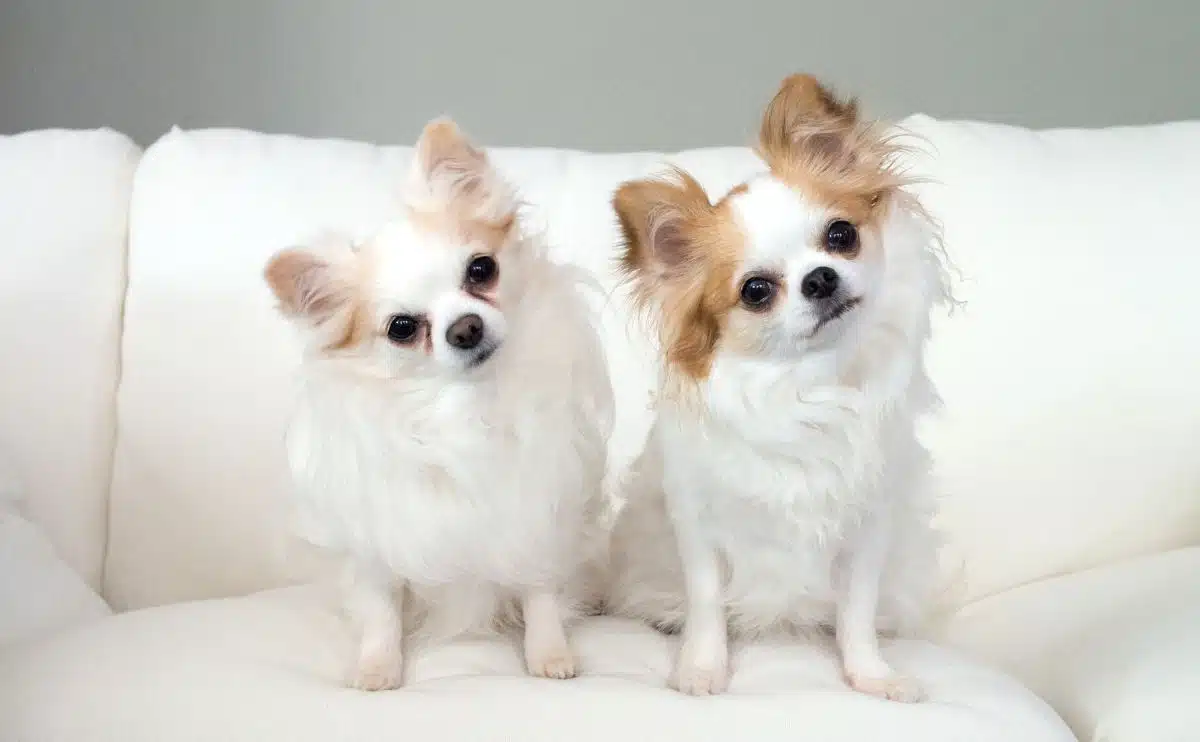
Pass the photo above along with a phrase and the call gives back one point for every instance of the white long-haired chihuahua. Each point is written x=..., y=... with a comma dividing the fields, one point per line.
x=783, y=487
x=453, y=413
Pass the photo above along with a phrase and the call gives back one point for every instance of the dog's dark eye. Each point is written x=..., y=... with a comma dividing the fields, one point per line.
x=481, y=270
x=402, y=328
x=841, y=236
x=758, y=292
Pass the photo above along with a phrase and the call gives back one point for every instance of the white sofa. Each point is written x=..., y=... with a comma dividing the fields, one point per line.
x=144, y=386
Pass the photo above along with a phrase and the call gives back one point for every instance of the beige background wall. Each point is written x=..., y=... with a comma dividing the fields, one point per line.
x=605, y=74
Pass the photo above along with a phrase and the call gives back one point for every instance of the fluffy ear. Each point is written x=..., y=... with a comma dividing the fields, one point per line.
x=449, y=171
x=317, y=287
x=806, y=117
x=443, y=149
x=810, y=136
x=655, y=215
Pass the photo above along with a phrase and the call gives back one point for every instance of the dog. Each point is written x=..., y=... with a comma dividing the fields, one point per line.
x=450, y=431
x=782, y=487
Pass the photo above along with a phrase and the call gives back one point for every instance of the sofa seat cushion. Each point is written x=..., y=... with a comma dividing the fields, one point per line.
x=1115, y=649
x=269, y=666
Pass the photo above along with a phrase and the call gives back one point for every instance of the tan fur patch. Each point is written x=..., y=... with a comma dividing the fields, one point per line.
x=460, y=227
x=816, y=143
x=443, y=144
x=323, y=293
x=460, y=195
x=359, y=327
x=286, y=273
x=681, y=252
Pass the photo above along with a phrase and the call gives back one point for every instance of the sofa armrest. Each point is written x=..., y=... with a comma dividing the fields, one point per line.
x=39, y=593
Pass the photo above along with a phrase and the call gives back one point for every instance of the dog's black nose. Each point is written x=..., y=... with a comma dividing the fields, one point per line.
x=819, y=284
x=466, y=332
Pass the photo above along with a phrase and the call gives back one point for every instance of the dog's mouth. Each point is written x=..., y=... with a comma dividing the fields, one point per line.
x=836, y=311
x=486, y=349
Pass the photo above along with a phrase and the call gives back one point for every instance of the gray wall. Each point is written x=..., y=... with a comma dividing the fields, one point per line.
x=603, y=74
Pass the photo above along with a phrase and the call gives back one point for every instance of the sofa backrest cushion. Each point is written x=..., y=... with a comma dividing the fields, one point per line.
x=1062, y=374
x=1070, y=435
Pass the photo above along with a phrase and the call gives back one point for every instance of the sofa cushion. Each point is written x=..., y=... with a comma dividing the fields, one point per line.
x=269, y=666
x=1115, y=649
x=1068, y=436
x=64, y=199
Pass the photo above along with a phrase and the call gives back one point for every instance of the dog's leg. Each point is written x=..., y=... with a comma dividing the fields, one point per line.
x=703, y=665
x=858, y=601
x=547, y=653
x=373, y=601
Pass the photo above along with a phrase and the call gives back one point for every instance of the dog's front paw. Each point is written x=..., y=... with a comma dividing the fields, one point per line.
x=893, y=687
x=701, y=672
x=377, y=671
x=557, y=663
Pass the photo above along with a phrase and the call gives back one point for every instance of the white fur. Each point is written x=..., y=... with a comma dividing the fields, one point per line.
x=791, y=494
x=461, y=494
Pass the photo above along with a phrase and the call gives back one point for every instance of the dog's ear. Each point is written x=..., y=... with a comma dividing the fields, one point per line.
x=443, y=151
x=657, y=218
x=450, y=172
x=806, y=118
x=318, y=287
x=680, y=253
x=810, y=136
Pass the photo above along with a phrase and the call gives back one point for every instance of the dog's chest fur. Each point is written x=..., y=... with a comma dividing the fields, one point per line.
x=440, y=493
x=777, y=468
x=780, y=472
